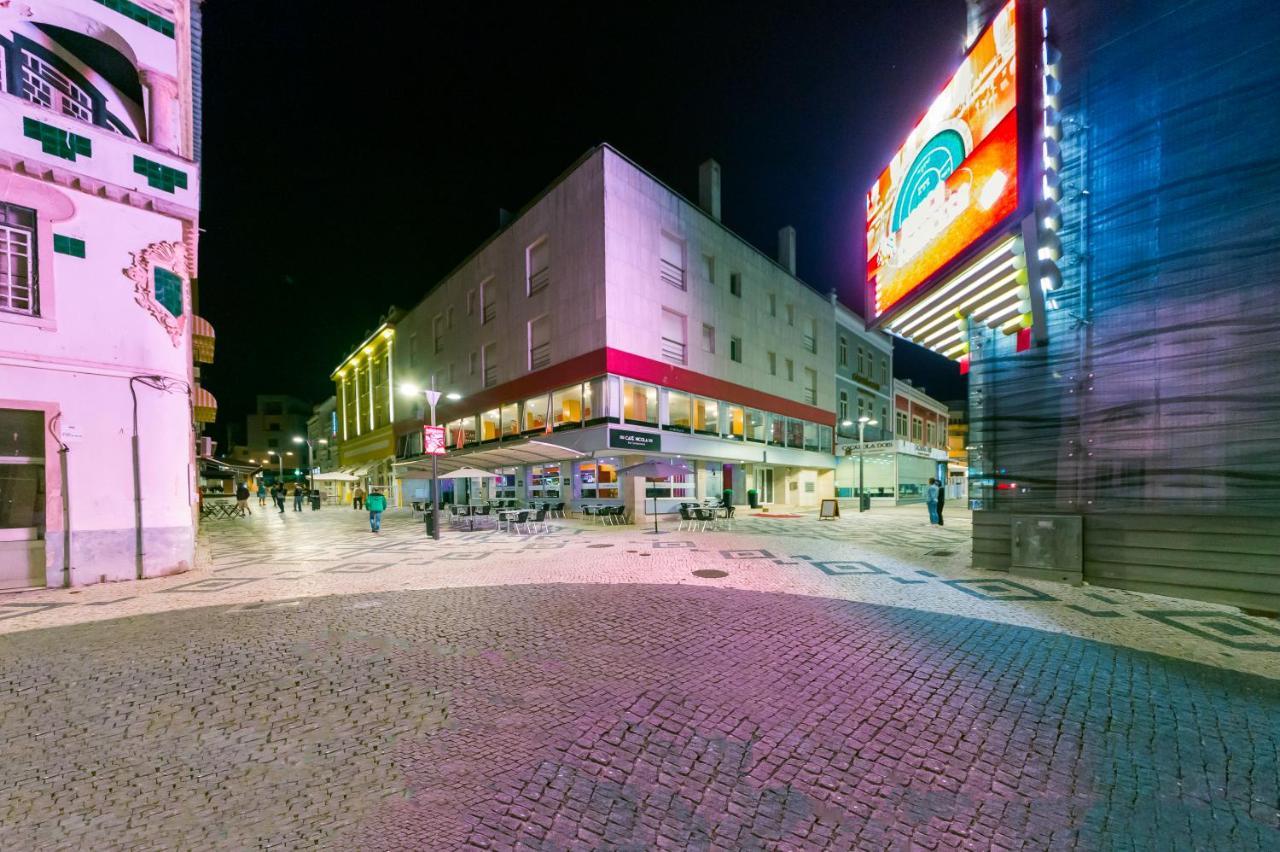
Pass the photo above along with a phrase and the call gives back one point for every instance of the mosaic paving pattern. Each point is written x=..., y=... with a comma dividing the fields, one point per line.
x=561, y=716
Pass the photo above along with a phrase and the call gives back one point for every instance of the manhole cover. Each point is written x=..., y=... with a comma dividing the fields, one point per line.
x=599, y=545
x=710, y=573
x=941, y=553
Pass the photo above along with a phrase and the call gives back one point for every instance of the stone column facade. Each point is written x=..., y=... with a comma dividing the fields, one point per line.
x=163, y=119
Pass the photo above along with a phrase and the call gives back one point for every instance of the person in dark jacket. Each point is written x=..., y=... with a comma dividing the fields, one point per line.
x=277, y=494
x=298, y=493
x=942, y=498
x=242, y=500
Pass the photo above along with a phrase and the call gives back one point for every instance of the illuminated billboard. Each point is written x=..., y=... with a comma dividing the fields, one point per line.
x=955, y=178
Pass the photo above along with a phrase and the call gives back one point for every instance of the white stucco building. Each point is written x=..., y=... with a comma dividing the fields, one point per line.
x=99, y=198
x=610, y=321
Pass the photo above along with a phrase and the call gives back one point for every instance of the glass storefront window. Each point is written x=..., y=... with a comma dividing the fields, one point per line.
x=756, y=425
x=607, y=477
x=734, y=426
x=824, y=439
x=795, y=433
x=535, y=414
x=566, y=406
x=489, y=425
x=640, y=403
x=777, y=430
x=510, y=419
x=811, y=436
x=505, y=488
x=706, y=416
x=469, y=430
x=593, y=401
x=674, y=486
x=452, y=431
x=677, y=411
x=587, y=480
x=544, y=481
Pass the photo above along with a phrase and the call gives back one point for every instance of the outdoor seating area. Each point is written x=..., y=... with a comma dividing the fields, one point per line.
x=713, y=515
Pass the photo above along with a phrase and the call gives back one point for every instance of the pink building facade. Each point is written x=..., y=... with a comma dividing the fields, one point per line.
x=99, y=198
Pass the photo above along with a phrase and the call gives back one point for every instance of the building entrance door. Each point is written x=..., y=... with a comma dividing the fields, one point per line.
x=22, y=498
x=764, y=484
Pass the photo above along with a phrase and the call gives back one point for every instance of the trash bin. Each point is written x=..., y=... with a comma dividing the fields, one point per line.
x=431, y=522
x=315, y=502
x=865, y=501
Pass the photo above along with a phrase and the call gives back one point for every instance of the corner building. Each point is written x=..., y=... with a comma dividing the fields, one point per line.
x=99, y=198
x=613, y=320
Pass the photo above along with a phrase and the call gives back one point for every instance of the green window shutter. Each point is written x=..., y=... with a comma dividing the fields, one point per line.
x=143, y=16
x=56, y=141
x=63, y=244
x=159, y=176
x=169, y=291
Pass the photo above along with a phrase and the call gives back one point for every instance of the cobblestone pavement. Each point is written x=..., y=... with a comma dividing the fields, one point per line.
x=562, y=716
x=584, y=689
x=887, y=556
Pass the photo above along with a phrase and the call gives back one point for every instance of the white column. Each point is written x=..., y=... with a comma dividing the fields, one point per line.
x=162, y=110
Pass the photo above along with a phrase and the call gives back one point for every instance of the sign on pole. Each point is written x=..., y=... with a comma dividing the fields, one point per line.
x=433, y=441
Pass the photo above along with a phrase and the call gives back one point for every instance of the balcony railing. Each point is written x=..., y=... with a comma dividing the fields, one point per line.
x=540, y=356
x=671, y=274
x=539, y=280
x=673, y=350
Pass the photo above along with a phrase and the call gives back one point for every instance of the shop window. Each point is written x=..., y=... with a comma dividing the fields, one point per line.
x=640, y=403
x=566, y=406
x=795, y=433
x=675, y=486
x=706, y=416
x=811, y=436
x=757, y=426
x=776, y=431
x=544, y=481
x=824, y=439
x=490, y=425
x=593, y=402
x=504, y=488
x=735, y=422
x=538, y=266
x=671, y=261
x=535, y=414
x=598, y=480
x=510, y=419
x=677, y=412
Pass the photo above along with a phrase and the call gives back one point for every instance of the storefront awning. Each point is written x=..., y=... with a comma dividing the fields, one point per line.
x=206, y=407
x=505, y=455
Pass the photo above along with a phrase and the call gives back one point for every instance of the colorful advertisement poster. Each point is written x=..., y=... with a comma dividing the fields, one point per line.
x=433, y=441
x=956, y=175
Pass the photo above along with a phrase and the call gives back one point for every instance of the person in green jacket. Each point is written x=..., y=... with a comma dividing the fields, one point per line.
x=376, y=502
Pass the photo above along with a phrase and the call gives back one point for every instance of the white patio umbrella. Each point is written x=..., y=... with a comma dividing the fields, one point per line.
x=657, y=469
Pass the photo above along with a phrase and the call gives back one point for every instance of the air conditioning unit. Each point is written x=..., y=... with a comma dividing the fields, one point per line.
x=1047, y=547
x=205, y=447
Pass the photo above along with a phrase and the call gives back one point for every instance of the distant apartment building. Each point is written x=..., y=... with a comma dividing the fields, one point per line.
x=864, y=395
x=366, y=402
x=613, y=320
x=322, y=431
x=100, y=403
x=276, y=420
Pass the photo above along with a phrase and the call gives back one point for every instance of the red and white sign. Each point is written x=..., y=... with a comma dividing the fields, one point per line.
x=433, y=441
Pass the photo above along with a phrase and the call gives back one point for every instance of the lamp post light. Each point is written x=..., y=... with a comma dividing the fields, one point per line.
x=863, y=422
x=298, y=439
x=279, y=458
x=433, y=397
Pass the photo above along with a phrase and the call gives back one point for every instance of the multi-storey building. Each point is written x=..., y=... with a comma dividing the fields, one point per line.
x=614, y=320
x=864, y=389
x=276, y=421
x=322, y=432
x=366, y=406
x=99, y=197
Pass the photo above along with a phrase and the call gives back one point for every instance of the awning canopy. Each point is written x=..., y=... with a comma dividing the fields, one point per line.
x=206, y=407
x=334, y=476
x=505, y=455
x=209, y=462
x=202, y=339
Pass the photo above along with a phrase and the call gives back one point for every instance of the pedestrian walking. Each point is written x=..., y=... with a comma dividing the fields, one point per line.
x=277, y=494
x=357, y=498
x=242, y=500
x=262, y=493
x=376, y=503
x=298, y=493
x=931, y=500
x=942, y=498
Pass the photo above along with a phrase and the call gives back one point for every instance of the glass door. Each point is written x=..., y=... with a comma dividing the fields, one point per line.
x=22, y=499
x=764, y=484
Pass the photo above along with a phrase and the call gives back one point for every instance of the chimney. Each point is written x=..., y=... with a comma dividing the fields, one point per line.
x=787, y=248
x=504, y=218
x=709, y=188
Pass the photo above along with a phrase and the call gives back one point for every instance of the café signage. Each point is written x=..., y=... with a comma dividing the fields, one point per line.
x=625, y=439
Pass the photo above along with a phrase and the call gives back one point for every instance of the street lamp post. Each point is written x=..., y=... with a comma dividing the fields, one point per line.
x=433, y=397
x=279, y=458
x=863, y=422
x=297, y=439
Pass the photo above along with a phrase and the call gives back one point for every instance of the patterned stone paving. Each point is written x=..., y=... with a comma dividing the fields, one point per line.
x=315, y=685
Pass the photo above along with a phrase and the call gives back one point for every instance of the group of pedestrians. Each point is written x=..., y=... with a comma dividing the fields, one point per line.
x=375, y=502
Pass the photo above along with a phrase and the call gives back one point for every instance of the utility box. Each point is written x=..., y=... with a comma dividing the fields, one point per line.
x=1047, y=547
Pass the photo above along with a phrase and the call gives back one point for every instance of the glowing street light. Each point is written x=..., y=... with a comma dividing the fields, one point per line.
x=298, y=439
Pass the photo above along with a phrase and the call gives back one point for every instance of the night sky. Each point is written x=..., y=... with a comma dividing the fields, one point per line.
x=356, y=153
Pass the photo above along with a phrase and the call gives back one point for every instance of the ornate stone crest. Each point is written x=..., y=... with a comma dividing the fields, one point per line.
x=161, y=293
